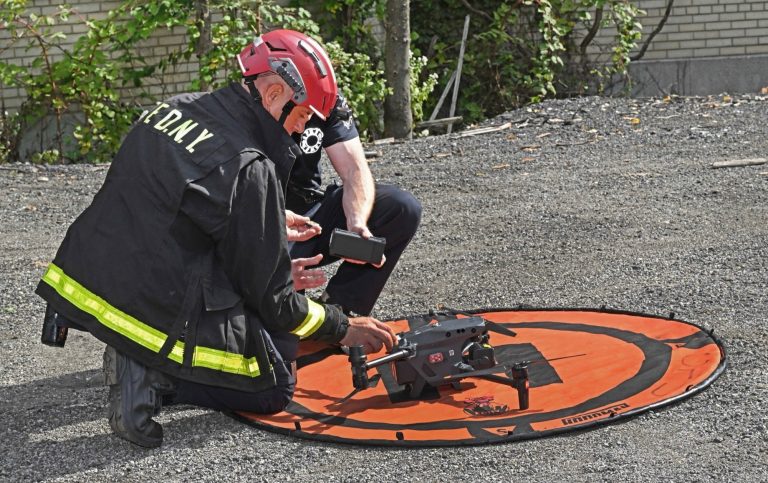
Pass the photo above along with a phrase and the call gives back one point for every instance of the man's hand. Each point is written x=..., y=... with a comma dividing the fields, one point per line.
x=300, y=228
x=369, y=333
x=303, y=278
x=363, y=231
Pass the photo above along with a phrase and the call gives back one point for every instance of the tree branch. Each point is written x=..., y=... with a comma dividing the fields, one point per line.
x=658, y=28
x=479, y=12
x=592, y=32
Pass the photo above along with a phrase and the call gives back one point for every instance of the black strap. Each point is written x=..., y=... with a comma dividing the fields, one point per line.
x=249, y=81
x=287, y=108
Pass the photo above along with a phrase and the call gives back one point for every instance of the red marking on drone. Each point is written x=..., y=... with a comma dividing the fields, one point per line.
x=436, y=358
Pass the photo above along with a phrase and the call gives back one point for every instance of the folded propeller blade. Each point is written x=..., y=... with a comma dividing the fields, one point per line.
x=494, y=327
x=372, y=382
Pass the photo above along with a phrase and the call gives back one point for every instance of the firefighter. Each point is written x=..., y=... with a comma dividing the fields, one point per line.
x=180, y=264
x=358, y=205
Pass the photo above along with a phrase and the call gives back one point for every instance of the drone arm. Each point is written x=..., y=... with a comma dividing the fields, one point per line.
x=395, y=356
x=360, y=364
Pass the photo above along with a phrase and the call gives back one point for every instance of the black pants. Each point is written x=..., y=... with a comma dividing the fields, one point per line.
x=396, y=215
x=264, y=402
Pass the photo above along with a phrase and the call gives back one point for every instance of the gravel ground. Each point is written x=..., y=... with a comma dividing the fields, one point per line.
x=579, y=203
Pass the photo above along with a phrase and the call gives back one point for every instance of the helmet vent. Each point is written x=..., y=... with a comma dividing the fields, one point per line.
x=273, y=47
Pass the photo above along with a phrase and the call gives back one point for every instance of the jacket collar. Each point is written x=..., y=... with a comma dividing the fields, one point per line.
x=270, y=135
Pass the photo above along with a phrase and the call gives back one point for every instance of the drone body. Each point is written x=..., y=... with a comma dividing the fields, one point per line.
x=443, y=352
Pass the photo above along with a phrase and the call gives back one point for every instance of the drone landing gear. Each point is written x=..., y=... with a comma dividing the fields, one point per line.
x=517, y=378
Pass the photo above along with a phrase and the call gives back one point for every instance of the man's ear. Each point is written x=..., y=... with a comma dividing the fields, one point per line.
x=273, y=93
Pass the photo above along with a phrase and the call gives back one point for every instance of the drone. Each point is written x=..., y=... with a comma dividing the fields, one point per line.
x=443, y=352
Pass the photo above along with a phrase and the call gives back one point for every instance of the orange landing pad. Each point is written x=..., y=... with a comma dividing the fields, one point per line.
x=587, y=367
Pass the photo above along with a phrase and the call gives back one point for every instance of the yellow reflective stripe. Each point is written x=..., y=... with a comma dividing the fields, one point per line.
x=177, y=353
x=225, y=362
x=314, y=319
x=108, y=315
x=145, y=335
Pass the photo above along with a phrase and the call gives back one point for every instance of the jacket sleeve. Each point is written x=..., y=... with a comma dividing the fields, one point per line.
x=252, y=247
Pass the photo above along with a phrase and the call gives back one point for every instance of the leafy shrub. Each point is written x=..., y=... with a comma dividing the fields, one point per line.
x=524, y=51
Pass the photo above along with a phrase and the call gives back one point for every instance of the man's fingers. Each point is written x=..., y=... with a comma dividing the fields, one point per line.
x=309, y=280
x=360, y=262
x=389, y=336
x=382, y=335
x=308, y=262
x=381, y=263
x=293, y=219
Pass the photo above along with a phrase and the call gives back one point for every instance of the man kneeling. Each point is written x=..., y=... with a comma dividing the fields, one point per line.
x=180, y=264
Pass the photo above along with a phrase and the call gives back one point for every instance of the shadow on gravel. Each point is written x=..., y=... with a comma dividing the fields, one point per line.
x=64, y=418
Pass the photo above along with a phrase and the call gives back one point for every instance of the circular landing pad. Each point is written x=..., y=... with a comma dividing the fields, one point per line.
x=586, y=367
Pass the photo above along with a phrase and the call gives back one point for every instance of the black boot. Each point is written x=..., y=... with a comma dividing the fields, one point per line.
x=135, y=395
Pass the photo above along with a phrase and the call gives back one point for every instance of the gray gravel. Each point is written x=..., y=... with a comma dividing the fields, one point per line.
x=580, y=203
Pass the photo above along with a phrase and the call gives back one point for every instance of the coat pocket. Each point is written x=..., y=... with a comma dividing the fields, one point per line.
x=227, y=346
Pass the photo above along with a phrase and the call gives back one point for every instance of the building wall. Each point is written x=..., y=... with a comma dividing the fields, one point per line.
x=706, y=46
x=19, y=52
x=707, y=28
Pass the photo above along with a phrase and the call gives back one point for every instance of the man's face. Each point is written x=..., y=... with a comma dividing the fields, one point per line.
x=297, y=119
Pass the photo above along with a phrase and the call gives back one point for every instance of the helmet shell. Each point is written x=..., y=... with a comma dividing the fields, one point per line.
x=300, y=61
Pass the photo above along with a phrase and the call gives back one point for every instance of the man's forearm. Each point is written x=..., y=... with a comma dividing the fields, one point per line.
x=357, y=200
x=348, y=159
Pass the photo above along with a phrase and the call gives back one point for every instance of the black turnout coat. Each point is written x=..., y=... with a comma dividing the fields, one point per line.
x=181, y=260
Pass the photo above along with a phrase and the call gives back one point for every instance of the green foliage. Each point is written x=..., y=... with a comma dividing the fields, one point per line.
x=524, y=51
x=349, y=23
x=10, y=131
x=420, y=90
x=91, y=76
x=362, y=84
x=49, y=156
x=517, y=52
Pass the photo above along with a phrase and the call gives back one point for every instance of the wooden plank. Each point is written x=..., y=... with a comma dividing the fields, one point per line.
x=438, y=122
x=484, y=130
x=737, y=163
x=443, y=96
x=384, y=141
x=458, y=71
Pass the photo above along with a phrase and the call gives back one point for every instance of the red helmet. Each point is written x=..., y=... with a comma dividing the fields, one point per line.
x=300, y=61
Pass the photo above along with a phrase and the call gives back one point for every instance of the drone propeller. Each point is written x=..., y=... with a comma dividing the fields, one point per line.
x=372, y=382
x=492, y=326
x=502, y=368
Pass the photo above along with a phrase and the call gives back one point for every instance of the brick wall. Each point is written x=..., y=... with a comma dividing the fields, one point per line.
x=695, y=29
x=706, y=28
x=175, y=80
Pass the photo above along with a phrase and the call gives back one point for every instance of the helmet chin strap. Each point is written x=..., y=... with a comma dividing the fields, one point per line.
x=287, y=108
x=249, y=81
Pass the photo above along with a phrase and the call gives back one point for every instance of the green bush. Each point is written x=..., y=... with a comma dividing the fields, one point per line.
x=521, y=52
x=362, y=84
x=90, y=77
x=518, y=52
